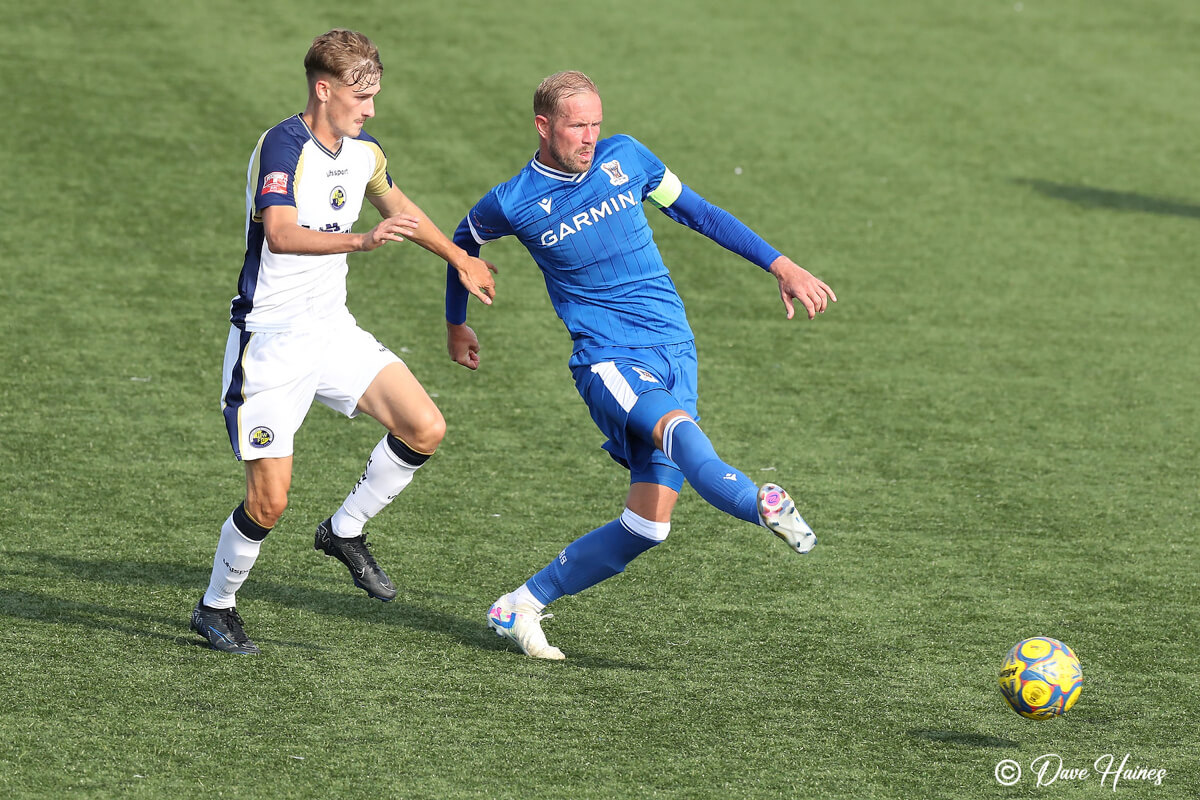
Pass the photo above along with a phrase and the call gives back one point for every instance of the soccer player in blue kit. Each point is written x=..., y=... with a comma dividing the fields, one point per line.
x=577, y=208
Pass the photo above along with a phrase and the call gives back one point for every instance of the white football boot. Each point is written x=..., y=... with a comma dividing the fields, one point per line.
x=779, y=515
x=523, y=625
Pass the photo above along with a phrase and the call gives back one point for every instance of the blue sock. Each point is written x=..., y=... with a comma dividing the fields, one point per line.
x=724, y=487
x=591, y=558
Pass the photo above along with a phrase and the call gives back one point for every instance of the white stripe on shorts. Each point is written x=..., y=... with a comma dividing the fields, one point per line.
x=616, y=384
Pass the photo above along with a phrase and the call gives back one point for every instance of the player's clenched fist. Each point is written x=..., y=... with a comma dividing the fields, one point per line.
x=463, y=345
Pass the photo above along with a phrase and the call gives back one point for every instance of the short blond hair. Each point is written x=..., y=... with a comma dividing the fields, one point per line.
x=551, y=92
x=345, y=55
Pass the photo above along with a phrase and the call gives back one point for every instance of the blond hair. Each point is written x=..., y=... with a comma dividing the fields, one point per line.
x=551, y=92
x=345, y=55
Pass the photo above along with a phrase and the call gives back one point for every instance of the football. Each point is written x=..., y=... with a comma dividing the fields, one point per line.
x=1041, y=678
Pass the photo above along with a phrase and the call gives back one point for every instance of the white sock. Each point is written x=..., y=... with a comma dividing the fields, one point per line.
x=385, y=477
x=524, y=597
x=235, y=556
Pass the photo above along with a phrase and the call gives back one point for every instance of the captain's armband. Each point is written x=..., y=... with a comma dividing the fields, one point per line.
x=667, y=191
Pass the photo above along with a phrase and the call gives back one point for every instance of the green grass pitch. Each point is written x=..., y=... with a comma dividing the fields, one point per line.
x=994, y=432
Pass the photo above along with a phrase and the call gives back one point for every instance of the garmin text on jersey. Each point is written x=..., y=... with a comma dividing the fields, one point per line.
x=613, y=205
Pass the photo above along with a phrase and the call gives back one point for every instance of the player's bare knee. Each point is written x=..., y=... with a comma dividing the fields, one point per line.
x=266, y=508
x=436, y=430
x=427, y=432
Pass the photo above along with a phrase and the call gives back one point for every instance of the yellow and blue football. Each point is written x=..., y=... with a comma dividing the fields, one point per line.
x=1041, y=678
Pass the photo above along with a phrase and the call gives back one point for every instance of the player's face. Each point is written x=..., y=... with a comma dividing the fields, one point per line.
x=349, y=107
x=569, y=137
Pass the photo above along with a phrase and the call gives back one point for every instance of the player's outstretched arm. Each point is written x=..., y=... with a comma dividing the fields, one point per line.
x=285, y=234
x=463, y=345
x=475, y=273
x=797, y=283
x=392, y=229
x=683, y=205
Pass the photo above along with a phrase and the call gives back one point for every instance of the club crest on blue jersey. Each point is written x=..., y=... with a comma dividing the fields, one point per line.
x=261, y=436
x=337, y=198
x=615, y=176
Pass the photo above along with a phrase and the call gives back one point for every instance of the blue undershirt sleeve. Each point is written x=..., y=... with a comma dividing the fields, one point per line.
x=725, y=229
x=456, y=293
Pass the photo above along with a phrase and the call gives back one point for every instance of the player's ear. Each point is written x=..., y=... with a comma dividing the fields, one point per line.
x=543, y=126
x=322, y=89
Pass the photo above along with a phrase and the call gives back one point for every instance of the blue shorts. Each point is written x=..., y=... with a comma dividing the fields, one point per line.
x=612, y=386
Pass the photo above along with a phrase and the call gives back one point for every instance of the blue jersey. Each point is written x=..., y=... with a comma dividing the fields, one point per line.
x=589, y=235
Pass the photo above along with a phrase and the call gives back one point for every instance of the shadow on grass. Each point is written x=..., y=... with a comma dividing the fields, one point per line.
x=1091, y=197
x=471, y=632
x=93, y=616
x=964, y=739
x=175, y=575
x=44, y=608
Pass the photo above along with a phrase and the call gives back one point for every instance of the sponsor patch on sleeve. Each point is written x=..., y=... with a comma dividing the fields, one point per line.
x=275, y=183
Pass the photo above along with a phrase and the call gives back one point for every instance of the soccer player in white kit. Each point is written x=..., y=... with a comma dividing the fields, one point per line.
x=292, y=339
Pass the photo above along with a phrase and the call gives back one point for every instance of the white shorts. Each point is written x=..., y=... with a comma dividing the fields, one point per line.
x=271, y=379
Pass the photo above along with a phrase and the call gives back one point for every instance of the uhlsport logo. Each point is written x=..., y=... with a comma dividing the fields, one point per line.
x=261, y=436
x=337, y=198
x=234, y=569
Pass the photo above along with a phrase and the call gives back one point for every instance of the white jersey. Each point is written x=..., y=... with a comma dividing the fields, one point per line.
x=278, y=292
